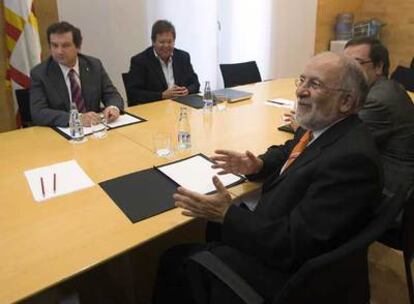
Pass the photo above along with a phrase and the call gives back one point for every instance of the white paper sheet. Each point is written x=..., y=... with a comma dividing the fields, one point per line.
x=70, y=177
x=280, y=102
x=196, y=174
x=122, y=120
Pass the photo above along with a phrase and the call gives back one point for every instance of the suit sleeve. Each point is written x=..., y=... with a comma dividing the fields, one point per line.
x=41, y=112
x=192, y=83
x=274, y=158
x=377, y=118
x=110, y=95
x=137, y=84
x=330, y=212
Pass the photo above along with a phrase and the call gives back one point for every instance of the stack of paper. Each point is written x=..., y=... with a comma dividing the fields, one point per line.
x=57, y=179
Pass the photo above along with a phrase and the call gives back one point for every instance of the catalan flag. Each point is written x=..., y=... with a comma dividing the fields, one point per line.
x=23, y=45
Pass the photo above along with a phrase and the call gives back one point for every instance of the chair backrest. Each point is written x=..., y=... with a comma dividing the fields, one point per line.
x=341, y=275
x=405, y=76
x=125, y=79
x=23, y=101
x=412, y=63
x=240, y=73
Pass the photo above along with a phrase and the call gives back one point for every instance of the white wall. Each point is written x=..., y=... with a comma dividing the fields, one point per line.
x=280, y=42
x=113, y=31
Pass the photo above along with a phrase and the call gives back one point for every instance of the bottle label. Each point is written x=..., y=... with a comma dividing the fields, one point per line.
x=184, y=140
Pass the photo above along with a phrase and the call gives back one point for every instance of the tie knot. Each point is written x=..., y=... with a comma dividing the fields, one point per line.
x=72, y=73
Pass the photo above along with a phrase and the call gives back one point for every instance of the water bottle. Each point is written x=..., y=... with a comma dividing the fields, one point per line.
x=75, y=124
x=207, y=98
x=184, y=136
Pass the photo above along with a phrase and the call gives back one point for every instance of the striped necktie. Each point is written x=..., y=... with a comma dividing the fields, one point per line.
x=297, y=150
x=75, y=90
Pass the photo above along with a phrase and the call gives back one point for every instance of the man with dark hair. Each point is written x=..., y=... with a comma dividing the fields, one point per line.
x=320, y=189
x=69, y=76
x=388, y=112
x=161, y=71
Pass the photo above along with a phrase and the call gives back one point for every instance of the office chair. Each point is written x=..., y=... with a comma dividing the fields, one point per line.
x=405, y=76
x=240, y=73
x=23, y=101
x=403, y=239
x=339, y=276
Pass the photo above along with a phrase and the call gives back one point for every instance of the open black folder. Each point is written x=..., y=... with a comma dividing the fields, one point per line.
x=149, y=192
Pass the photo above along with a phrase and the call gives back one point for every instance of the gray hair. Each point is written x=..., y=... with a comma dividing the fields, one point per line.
x=354, y=79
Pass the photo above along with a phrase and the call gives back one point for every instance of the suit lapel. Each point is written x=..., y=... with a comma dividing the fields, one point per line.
x=86, y=80
x=316, y=148
x=156, y=66
x=57, y=80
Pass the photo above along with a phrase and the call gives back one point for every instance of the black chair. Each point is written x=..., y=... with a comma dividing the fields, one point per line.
x=403, y=239
x=339, y=276
x=240, y=73
x=405, y=76
x=125, y=79
x=412, y=64
x=23, y=101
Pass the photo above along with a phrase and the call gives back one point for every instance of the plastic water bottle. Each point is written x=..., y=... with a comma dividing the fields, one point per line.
x=184, y=133
x=75, y=125
x=207, y=98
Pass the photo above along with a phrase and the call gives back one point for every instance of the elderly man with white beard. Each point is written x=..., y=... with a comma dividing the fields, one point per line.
x=319, y=190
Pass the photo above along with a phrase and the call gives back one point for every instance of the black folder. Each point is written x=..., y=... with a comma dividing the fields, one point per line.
x=141, y=194
x=193, y=100
x=145, y=193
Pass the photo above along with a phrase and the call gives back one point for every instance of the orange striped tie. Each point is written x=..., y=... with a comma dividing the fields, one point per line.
x=300, y=146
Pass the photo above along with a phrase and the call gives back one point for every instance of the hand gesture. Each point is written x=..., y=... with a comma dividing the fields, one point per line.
x=212, y=207
x=237, y=163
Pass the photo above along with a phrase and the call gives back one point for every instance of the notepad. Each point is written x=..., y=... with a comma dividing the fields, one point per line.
x=57, y=179
x=123, y=120
x=195, y=173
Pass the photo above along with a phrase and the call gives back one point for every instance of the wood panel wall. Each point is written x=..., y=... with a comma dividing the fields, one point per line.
x=46, y=11
x=397, y=35
x=326, y=19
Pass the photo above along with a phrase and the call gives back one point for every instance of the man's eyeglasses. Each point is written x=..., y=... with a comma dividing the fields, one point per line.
x=362, y=62
x=316, y=84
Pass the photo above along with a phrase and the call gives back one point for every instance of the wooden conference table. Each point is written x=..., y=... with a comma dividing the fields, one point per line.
x=42, y=244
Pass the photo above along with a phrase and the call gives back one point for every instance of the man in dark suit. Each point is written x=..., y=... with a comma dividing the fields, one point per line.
x=161, y=71
x=388, y=112
x=68, y=76
x=319, y=190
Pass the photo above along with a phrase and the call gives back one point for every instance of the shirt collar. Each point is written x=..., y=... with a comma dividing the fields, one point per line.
x=65, y=69
x=317, y=133
x=158, y=57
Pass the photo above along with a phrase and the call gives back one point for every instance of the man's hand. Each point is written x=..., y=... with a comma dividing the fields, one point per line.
x=290, y=118
x=174, y=91
x=89, y=117
x=212, y=207
x=111, y=113
x=237, y=163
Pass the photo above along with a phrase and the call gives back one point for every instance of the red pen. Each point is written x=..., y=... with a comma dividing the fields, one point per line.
x=54, y=182
x=43, y=186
